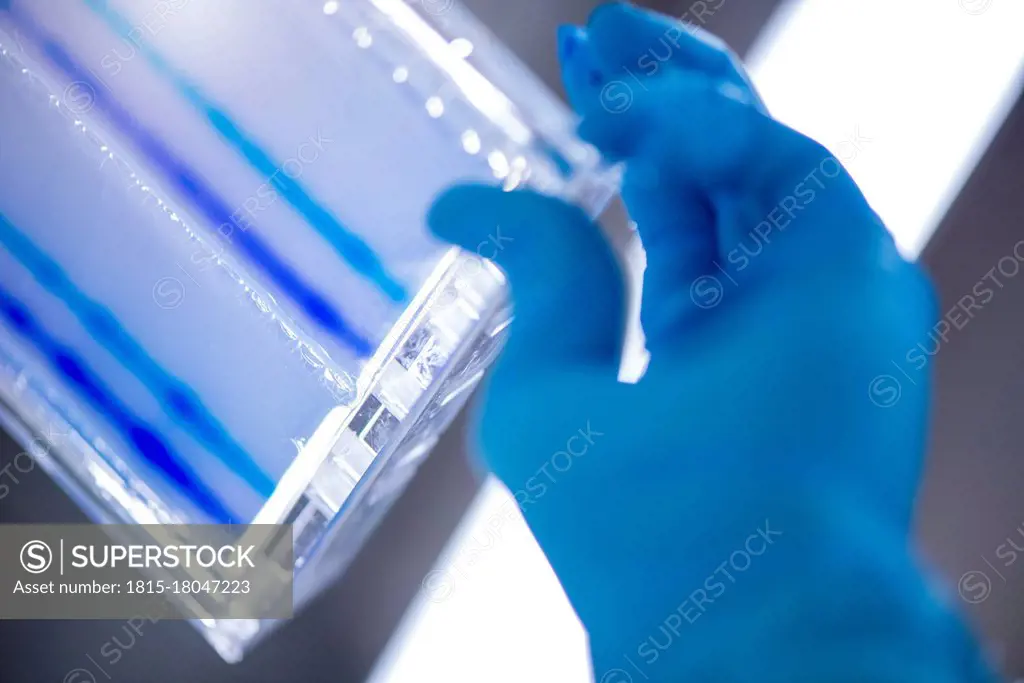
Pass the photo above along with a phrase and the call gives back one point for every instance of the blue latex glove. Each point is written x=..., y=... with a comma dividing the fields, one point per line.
x=742, y=513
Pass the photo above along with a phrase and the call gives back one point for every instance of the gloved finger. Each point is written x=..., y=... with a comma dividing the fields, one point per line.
x=749, y=165
x=566, y=284
x=676, y=223
x=635, y=45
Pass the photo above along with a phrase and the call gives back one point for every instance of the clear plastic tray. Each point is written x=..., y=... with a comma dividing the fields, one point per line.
x=218, y=298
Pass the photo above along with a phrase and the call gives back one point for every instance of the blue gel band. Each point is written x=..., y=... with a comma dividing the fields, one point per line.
x=142, y=437
x=173, y=394
x=347, y=245
x=190, y=184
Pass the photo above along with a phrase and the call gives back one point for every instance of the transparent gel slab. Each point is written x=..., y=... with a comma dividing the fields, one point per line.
x=218, y=298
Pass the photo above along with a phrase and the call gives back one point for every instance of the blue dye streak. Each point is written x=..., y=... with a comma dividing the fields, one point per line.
x=176, y=397
x=348, y=245
x=141, y=436
x=190, y=183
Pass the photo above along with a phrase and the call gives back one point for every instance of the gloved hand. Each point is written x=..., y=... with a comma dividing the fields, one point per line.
x=742, y=513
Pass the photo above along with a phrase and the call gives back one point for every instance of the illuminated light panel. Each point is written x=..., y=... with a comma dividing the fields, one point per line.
x=923, y=85
x=492, y=609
